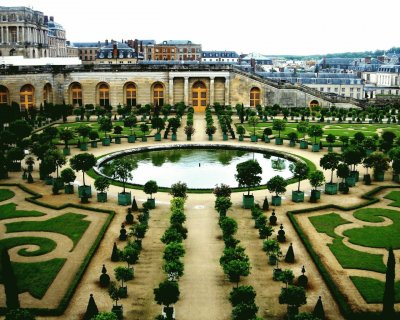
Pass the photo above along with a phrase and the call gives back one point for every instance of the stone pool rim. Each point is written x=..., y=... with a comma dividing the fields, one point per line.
x=108, y=157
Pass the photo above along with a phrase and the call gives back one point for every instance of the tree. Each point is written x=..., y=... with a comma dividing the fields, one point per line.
x=174, y=123
x=294, y=297
x=114, y=292
x=240, y=130
x=130, y=122
x=315, y=131
x=277, y=184
x=210, y=130
x=248, y=174
x=319, y=312
x=174, y=268
x=306, y=316
x=83, y=131
x=278, y=125
x=21, y=129
x=388, y=311
x=235, y=269
x=115, y=255
x=158, y=124
x=253, y=121
x=9, y=281
x=131, y=253
x=330, y=161
x=353, y=156
x=173, y=250
x=105, y=316
x=65, y=134
x=387, y=140
x=101, y=184
x=229, y=226
x=123, y=274
x=289, y=257
x=222, y=205
x=121, y=169
x=330, y=138
x=83, y=162
x=55, y=159
x=300, y=171
x=242, y=294
x=244, y=311
x=292, y=136
x=150, y=187
x=343, y=171
x=68, y=175
x=286, y=276
x=167, y=293
x=222, y=190
x=189, y=130
x=105, y=124
x=179, y=189
x=171, y=235
x=316, y=178
x=302, y=127
x=379, y=162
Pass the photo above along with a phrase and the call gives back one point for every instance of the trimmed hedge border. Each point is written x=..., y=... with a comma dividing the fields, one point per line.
x=72, y=287
x=337, y=294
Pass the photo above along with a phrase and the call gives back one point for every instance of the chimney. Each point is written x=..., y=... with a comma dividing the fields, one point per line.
x=381, y=58
x=51, y=18
x=106, y=42
x=46, y=19
x=368, y=60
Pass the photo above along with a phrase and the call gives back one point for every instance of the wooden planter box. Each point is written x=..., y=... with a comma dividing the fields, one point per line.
x=315, y=195
x=396, y=177
x=355, y=174
x=85, y=191
x=151, y=203
x=69, y=188
x=58, y=182
x=157, y=137
x=303, y=144
x=131, y=139
x=278, y=141
x=224, y=137
x=248, y=201
x=144, y=139
x=276, y=200
x=241, y=138
x=106, y=142
x=118, y=140
x=297, y=196
x=66, y=151
x=330, y=149
x=210, y=137
x=351, y=181
x=272, y=260
x=331, y=188
x=124, y=199
x=292, y=143
x=119, y=312
x=253, y=138
x=102, y=196
x=315, y=147
x=379, y=176
x=48, y=180
x=123, y=292
x=267, y=139
x=173, y=137
x=83, y=146
x=93, y=144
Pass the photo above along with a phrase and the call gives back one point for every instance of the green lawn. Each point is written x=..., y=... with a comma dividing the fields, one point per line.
x=6, y=194
x=395, y=196
x=45, y=245
x=71, y=225
x=327, y=223
x=95, y=126
x=376, y=237
x=372, y=289
x=36, y=277
x=9, y=211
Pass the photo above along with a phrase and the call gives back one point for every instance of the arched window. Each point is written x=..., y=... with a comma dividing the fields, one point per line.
x=199, y=96
x=26, y=95
x=314, y=103
x=76, y=94
x=130, y=92
x=3, y=96
x=47, y=93
x=104, y=95
x=255, y=97
x=158, y=95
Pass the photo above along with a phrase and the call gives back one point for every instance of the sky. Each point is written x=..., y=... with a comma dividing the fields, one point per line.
x=271, y=27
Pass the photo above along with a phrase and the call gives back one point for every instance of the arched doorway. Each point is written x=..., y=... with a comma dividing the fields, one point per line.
x=158, y=95
x=199, y=97
x=255, y=97
x=76, y=94
x=3, y=96
x=314, y=103
x=47, y=94
x=27, y=94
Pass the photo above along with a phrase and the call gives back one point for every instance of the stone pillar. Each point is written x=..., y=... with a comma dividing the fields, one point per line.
x=17, y=34
x=23, y=34
x=171, y=91
x=6, y=37
x=212, y=88
x=227, y=99
x=1, y=35
x=186, y=91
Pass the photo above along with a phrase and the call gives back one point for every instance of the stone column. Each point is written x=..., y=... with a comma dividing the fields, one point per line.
x=23, y=34
x=171, y=91
x=212, y=88
x=186, y=91
x=1, y=35
x=227, y=100
x=17, y=34
x=7, y=38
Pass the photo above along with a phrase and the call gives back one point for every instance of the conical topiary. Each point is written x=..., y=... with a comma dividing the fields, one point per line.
x=134, y=206
x=91, y=309
x=289, y=257
x=104, y=277
x=9, y=281
x=388, y=312
x=281, y=234
x=303, y=279
x=319, y=310
x=115, y=253
x=265, y=204
x=122, y=233
x=129, y=217
x=273, y=218
x=30, y=178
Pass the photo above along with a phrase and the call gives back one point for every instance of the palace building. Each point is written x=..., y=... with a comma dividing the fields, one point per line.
x=195, y=84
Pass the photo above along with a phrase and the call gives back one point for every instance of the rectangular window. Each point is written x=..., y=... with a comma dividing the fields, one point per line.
x=343, y=89
x=321, y=89
x=336, y=89
x=328, y=89
x=351, y=89
x=358, y=90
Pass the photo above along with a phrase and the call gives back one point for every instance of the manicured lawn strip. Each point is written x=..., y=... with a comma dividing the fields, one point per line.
x=36, y=277
x=6, y=194
x=354, y=259
x=8, y=211
x=376, y=237
x=327, y=223
x=71, y=225
x=372, y=289
x=45, y=245
x=395, y=196
x=337, y=294
x=74, y=283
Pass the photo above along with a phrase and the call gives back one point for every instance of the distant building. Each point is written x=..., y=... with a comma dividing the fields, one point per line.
x=384, y=81
x=185, y=49
x=57, y=39
x=338, y=64
x=220, y=56
x=117, y=53
x=87, y=51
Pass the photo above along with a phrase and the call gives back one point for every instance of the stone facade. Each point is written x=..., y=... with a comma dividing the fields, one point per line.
x=224, y=85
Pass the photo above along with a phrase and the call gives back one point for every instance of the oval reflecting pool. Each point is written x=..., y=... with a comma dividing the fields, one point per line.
x=199, y=168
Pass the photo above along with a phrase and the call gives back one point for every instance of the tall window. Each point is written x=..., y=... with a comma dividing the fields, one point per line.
x=104, y=95
x=131, y=95
x=47, y=94
x=158, y=95
x=3, y=96
x=254, y=97
x=76, y=94
x=27, y=97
